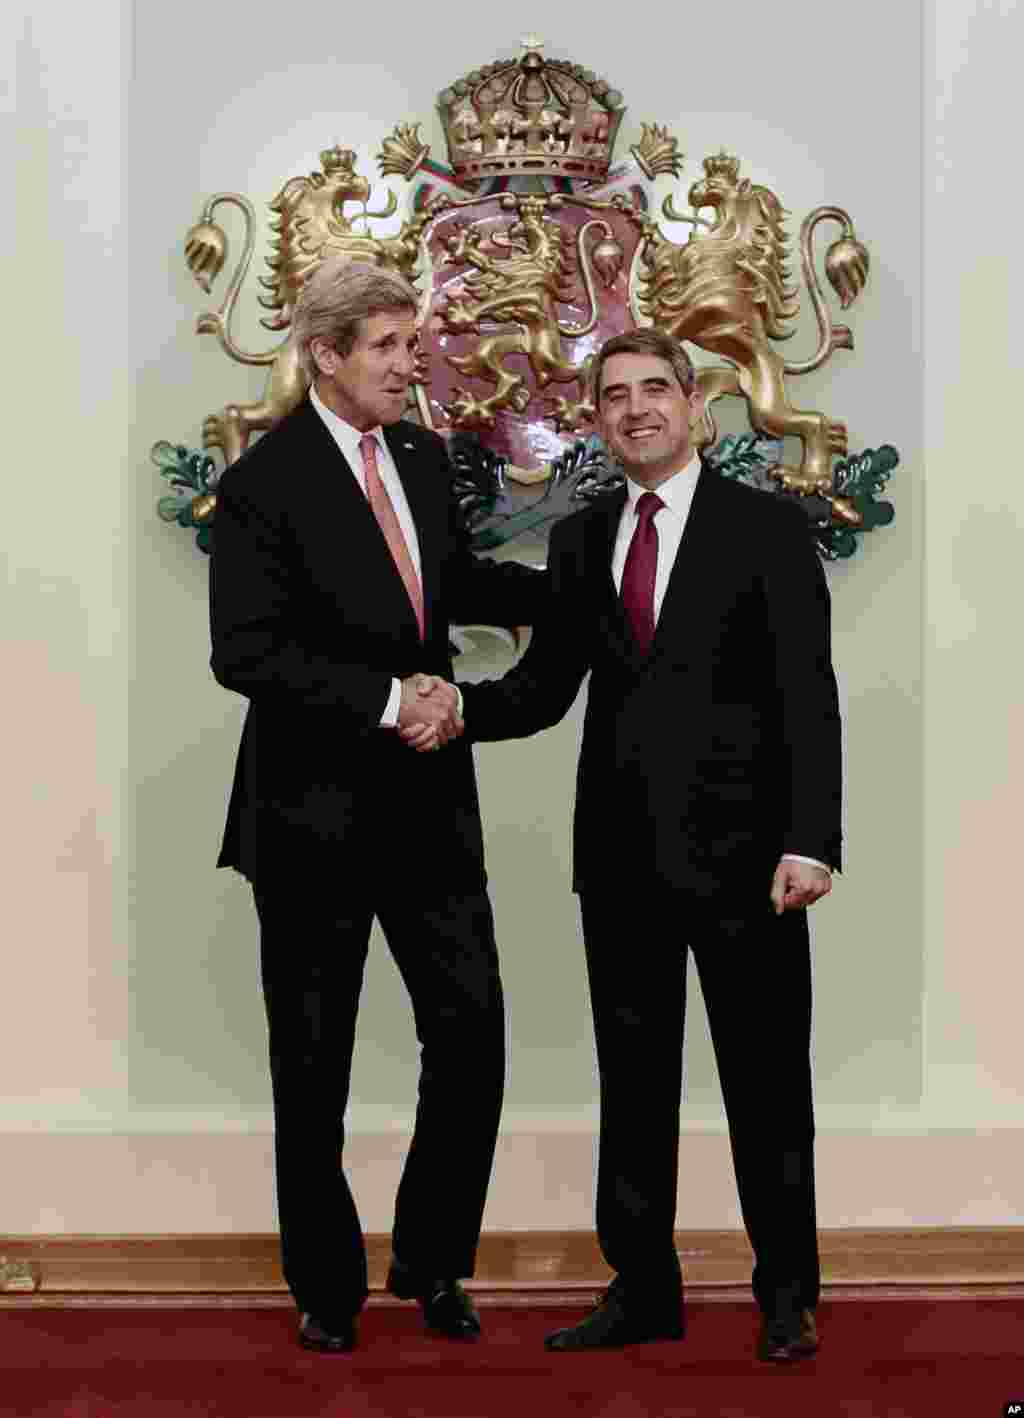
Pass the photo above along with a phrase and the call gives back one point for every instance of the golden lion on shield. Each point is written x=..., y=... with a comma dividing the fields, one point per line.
x=522, y=288
x=727, y=292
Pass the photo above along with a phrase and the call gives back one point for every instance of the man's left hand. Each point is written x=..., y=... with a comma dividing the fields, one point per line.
x=797, y=884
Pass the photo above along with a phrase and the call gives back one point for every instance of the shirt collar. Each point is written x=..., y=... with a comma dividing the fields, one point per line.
x=676, y=492
x=344, y=434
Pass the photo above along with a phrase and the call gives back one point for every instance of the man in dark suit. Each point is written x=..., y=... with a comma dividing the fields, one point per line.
x=338, y=560
x=707, y=818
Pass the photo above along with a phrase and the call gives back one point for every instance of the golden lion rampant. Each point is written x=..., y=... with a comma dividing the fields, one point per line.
x=522, y=288
x=310, y=225
x=727, y=291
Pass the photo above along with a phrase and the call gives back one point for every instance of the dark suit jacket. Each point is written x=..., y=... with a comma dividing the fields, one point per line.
x=705, y=761
x=310, y=621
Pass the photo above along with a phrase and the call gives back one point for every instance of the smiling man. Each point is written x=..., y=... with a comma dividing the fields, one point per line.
x=707, y=818
x=338, y=560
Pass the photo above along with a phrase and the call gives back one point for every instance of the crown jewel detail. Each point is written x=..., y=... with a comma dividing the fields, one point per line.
x=530, y=116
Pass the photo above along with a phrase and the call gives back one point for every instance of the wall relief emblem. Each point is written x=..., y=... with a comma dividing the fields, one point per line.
x=529, y=248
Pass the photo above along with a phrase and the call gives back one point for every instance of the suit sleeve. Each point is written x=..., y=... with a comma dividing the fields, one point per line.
x=256, y=619
x=799, y=613
x=540, y=689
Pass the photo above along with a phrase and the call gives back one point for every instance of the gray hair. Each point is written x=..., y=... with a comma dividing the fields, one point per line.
x=337, y=298
x=648, y=342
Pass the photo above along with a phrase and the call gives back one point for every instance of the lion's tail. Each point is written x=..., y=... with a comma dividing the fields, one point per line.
x=846, y=265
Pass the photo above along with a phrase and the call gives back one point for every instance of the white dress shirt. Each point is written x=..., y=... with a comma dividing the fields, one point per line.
x=670, y=522
x=347, y=438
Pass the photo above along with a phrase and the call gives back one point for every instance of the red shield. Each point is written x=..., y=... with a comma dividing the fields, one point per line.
x=524, y=287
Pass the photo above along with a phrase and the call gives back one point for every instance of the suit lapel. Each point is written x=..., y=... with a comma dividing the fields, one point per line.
x=326, y=473
x=338, y=512
x=414, y=485
x=693, y=571
x=604, y=530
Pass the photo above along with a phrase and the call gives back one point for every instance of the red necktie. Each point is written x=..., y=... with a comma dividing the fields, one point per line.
x=377, y=496
x=640, y=571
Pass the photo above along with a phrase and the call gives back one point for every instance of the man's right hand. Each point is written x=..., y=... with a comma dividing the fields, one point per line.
x=428, y=713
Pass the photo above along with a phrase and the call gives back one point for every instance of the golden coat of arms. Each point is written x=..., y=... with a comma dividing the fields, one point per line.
x=529, y=249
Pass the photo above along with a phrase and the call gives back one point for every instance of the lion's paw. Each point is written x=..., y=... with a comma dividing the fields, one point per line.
x=799, y=480
x=464, y=411
x=458, y=318
x=213, y=431
x=570, y=415
x=838, y=437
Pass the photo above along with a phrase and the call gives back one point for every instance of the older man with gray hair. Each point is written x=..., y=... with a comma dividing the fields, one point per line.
x=339, y=560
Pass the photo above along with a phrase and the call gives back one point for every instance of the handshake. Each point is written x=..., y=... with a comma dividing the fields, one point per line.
x=428, y=714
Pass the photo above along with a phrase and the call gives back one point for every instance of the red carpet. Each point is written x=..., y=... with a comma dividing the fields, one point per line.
x=886, y=1359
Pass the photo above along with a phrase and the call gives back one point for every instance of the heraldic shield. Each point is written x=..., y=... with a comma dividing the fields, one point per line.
x=525, y=287
x=529, y=249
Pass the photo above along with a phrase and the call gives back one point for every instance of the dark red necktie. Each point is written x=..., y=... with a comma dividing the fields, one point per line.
x=641, y=570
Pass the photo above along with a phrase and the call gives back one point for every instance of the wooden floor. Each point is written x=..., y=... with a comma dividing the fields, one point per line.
x=534, y=1267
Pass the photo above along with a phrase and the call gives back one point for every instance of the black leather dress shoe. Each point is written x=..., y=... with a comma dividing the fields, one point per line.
x=447, y=1309
x=782, y=1340
x=612, y=1323
x=339, y=1339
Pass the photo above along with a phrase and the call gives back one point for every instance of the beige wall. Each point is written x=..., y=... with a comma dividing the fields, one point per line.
x=974, y=672
x=131, y=1008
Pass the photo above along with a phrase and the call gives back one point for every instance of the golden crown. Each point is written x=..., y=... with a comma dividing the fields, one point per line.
x=337, y=159
x=722, y=164
x=530, y=116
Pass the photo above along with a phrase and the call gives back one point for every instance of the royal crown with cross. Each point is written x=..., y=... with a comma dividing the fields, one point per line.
x=530, y=117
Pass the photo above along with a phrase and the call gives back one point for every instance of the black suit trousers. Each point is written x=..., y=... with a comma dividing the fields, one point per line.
x=314, y=939
x=755, y=975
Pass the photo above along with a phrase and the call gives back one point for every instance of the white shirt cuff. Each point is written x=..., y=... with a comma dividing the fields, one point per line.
x=811, y=861
x=389, y=719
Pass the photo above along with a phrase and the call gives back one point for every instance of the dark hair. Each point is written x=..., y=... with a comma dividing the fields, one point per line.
x=649, y=342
